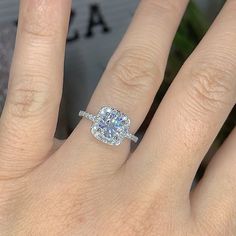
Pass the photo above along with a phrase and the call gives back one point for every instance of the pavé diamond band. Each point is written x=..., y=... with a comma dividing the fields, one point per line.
x=110, y=125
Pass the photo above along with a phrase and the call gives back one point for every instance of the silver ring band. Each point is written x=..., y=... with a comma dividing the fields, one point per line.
x=87, y=115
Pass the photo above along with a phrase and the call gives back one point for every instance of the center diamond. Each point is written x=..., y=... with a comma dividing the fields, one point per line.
x=110, y=126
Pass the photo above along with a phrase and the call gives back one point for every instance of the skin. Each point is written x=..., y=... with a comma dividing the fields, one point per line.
x=84, y=187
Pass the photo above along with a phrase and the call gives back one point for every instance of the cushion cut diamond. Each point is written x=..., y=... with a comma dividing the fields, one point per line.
x=110, y=126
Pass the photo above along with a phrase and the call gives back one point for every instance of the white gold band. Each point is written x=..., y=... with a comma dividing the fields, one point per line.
x=132, y=137
x=87, y=116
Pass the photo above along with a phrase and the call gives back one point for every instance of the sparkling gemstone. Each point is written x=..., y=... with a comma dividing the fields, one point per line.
x=110, y=126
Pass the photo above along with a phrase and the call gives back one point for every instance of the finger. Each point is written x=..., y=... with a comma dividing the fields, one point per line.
x=134, y=73
x=30, y=114
x=193, y=110
x=215, y=195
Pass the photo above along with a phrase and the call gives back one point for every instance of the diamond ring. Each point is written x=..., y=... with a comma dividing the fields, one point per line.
x=110, y=125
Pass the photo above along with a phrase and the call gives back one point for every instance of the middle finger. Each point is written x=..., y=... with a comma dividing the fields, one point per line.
x=194, y=109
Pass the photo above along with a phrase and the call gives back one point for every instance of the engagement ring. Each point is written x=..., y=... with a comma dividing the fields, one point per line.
x=110, y=126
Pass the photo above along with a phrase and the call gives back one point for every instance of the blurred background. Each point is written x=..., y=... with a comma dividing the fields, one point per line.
x=96, y=27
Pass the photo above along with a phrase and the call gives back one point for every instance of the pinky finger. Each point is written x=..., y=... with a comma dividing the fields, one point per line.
x=215, y=195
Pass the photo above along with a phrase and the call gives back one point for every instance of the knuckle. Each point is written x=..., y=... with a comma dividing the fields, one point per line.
x=39, y=20
x=135, y=68
x=28, y=98
x=166, y=6
x=211, y=87
x=134, y=73
x=35, y=30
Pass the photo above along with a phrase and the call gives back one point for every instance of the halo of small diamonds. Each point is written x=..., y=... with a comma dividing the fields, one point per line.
x=110, y=125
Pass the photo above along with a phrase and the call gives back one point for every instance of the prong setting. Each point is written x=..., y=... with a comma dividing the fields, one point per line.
x=111, y=126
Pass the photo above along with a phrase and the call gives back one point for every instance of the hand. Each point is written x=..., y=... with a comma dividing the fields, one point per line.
x=84, y=187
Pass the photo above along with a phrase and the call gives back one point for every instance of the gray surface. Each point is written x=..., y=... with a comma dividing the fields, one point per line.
x=7, y=40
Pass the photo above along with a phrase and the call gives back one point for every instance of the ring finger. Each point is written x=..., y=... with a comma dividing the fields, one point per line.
x=133, y=75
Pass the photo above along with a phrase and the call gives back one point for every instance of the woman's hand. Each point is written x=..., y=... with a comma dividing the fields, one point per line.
x=84, y=187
